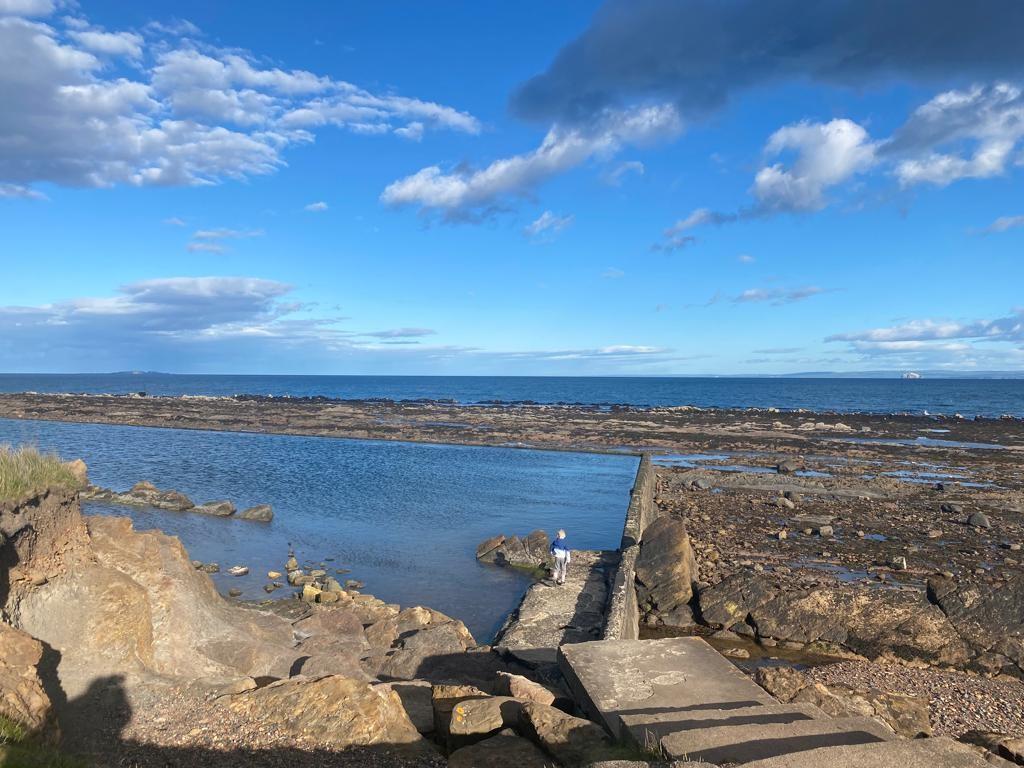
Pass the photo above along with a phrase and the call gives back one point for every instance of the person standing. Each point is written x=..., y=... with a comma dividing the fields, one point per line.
x=560, y=549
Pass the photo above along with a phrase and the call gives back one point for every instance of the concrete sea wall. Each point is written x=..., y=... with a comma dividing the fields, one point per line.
x=622, y=618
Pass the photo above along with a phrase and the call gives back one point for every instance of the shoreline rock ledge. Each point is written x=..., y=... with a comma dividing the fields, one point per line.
x=146, y=494
x=530, y=552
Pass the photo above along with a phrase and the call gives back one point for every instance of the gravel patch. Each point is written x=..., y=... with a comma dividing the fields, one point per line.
x=958, y=702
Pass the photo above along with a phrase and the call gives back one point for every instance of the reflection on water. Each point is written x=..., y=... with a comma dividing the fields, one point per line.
x=404, y=518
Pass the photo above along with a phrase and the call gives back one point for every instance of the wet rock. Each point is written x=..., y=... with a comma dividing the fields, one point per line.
x=238, y=570
x=979, y=520
x=209, y=568
x=489, y=545
x=781, y=682
x=222, y=508
x=789, y=466
x=506, y=750
x=782, y=502
x=531, y=551
x=273, y=574
x=234, y=592
x=143, y=493
x=736, y=653
x=990, y=618
x=292, y=564
x=262, y=513
x=951, y=509
x=907, y=715
x=871, y=623
x=666, y=568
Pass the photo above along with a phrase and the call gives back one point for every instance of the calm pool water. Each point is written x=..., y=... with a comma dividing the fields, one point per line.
x=405, y=518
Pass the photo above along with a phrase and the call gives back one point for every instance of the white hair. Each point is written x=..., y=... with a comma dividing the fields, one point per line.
x=561, y=534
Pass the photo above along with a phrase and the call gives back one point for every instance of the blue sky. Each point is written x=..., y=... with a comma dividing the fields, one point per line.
x=642, y=187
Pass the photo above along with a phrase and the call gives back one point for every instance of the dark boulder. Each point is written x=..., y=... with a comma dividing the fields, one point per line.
x=531, y=551
x=216, y=508
x=666, y=568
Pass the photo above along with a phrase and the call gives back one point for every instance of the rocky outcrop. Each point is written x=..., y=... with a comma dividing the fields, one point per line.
x=22, y=697
x=142, y=494
x=871, y=623
x=907, y=716
x=531, y=552
x=666, y=571
x=989, y=618
x=505, y=750
x=337, y=711
x=146, y=494
x=261, y=513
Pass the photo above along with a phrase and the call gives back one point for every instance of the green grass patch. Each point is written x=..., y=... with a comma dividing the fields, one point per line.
x=25, y=471
x=19, y=750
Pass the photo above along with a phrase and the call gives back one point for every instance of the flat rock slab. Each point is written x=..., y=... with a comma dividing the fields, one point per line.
x=612, y=679
x=551, y=615
x=915, y=753
x=759, y=741
x=650, y=728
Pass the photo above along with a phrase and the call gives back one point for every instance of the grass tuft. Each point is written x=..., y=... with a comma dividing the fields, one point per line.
x=19, y=750
x=25, y=471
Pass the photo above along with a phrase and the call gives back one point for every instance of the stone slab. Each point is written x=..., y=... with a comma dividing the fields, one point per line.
x=915, y=753
x=611, y=679
x=759, y=741
x=650, y=728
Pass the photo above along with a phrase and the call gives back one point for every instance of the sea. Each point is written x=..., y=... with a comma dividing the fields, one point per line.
x=967, y=396
x=405, y=518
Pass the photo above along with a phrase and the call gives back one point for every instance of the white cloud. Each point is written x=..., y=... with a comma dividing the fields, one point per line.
x=983, y=125
x=317, y=207
x=26, y=7
x=547, y=224
x=226, y=234
x=188, y=113
x=110, y=43
x=777, y=296
x=413, y=131
x=1010, y=328
x=203, y=247
x=174, y=221
x=1004, y=223
x=615, y=177
x=745, y=258
x=464, y=192
x=401, y=333
x=19, y=190
x=827, y=154
x=612, y=274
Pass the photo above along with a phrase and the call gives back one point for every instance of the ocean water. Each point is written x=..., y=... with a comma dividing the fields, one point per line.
x=404, y=518
x=970, y=397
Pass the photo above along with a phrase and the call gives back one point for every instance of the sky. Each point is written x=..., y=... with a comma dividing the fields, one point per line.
x=641, y=187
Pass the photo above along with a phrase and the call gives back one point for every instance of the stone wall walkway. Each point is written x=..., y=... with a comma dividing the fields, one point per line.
x=551, y=615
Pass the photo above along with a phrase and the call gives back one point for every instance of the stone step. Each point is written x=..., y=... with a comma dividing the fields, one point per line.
x=648, y=729
x=613, y=679
x=902, y=753
x=760, y=741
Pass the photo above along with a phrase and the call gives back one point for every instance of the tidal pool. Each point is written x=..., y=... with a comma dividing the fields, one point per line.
x=404, y=518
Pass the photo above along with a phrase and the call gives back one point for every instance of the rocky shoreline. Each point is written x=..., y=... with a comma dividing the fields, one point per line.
x=891, y=544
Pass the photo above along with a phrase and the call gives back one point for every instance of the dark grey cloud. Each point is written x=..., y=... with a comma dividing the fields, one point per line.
x=698, y=53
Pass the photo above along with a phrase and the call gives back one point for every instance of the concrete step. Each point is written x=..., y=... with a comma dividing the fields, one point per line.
x=648, y=729
x=760, y=741
x=902, y=753
x=613, y=679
